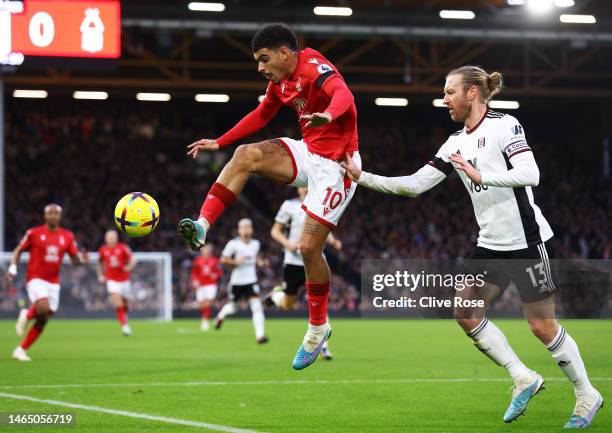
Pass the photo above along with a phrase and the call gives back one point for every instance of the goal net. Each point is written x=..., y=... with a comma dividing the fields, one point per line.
x=83, y=296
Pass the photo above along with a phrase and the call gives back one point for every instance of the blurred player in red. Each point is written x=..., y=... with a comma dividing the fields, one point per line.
x=313, y=87
x=47, y=244
x=205, y=273
x=115, y=263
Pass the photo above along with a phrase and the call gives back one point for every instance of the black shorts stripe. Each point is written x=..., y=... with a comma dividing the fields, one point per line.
x=440, y=164
x=531, y=228
x=324, y=77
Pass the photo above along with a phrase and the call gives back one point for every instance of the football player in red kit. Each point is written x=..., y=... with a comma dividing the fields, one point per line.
x=205, y=273
x=115, y=263
x=47, y=245
x=313, y=87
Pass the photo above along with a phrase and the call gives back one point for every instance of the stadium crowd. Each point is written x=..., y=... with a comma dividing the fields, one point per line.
x=85, y=156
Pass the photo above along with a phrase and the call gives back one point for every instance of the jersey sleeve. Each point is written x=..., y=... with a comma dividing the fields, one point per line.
x=512, y=140
x=428, y=176
x=254, y=121
x=26, y=241
x=72, y=249
x=283, y=216
x=228, y=251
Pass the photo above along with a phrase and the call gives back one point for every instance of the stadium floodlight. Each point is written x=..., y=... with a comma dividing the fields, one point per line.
x=333, y=11
x=261, y=97
x=391, y=102
x=206, y=7
x=36, y=94
x=438, y=103
x=500, y=104
x=516, y=2
x=577, y=19
x=81, y=94
x=564, y=3
x=211, y=97
x=163, y=97
x=457, y=15
x=540, y=6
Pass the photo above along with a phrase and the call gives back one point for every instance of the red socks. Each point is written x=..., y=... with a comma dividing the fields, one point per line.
x=31, y=312
x=121, y=315
x=32, y=336
x=318, y=294
x=218, y=198
x=206, y=313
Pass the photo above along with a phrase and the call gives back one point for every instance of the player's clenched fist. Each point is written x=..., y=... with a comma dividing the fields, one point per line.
x=204, y=144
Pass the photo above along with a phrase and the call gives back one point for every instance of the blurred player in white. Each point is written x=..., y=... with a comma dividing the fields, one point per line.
x=287, y=231
x=496, y=165
x=241, y=254
x=205, y=275
x=115, y=263
x=47, y=245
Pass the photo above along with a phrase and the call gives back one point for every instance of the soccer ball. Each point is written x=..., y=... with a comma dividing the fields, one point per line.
x=137, y=214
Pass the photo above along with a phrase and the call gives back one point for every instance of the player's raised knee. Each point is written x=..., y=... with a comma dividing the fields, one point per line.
x=246, y=156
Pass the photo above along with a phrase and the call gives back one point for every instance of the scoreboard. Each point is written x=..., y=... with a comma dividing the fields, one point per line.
x=59, y=28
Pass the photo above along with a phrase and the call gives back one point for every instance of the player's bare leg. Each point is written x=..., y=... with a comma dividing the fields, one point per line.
x=121, y=310
x=43, y=312
x=313, y=240
x=205, y=313
x=491, y=341
x=565, y=353
x=267, y=158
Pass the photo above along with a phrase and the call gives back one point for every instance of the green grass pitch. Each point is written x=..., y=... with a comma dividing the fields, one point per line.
x=388, y=376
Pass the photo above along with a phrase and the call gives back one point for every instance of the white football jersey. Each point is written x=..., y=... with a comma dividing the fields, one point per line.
x=292, y=216
x=508, y=217
x=246, y=272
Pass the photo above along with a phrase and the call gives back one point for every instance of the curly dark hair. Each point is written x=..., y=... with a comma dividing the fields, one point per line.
x=273, y=36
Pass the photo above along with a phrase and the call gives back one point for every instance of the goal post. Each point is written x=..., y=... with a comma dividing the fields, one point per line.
x=83, y=296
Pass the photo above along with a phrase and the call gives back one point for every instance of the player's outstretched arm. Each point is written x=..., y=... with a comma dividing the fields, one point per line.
x=424, y=179
x=250, y=124
x=524, y=172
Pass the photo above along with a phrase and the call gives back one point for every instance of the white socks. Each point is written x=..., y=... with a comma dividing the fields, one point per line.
x=313, y=336
x=258, y=317
x=277, y=298
x=492, y=342
x=565, y=352
x=227, y=310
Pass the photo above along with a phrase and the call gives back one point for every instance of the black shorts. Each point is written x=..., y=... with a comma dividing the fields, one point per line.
x=294, y=277
x=243, y=291
x=530, y=269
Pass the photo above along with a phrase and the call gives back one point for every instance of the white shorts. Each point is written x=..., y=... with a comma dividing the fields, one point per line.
x=329, y=189
x=40, y=289
x=207, y=292
x=123, y=288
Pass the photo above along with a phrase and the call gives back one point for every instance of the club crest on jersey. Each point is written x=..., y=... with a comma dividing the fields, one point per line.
x=481, y=142
x=299, y=104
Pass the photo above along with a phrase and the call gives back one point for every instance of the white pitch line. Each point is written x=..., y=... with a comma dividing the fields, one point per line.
x=167, y=420
x=288, y=382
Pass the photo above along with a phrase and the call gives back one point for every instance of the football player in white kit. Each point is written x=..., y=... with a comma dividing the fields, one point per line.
x=241, y=254
x=492, y=158
x=287, y=230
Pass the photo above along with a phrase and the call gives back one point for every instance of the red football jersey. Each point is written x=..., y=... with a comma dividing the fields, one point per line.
x=308, y=91
x=115, y=259
x=47, y=249
x=206, y=270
